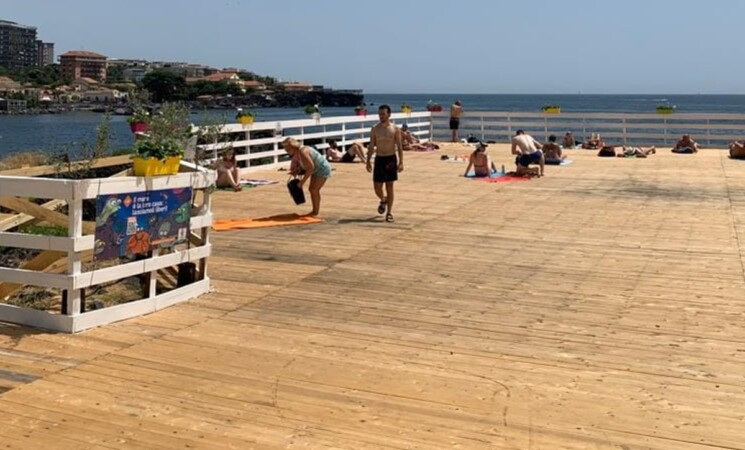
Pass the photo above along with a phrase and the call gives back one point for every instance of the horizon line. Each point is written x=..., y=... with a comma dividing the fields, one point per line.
x=539, y=93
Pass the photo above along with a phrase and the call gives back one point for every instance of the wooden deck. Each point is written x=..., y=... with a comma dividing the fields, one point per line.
x=598, y=307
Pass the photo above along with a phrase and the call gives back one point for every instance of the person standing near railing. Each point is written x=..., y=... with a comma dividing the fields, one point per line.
x=456, y=109
x=385, y=142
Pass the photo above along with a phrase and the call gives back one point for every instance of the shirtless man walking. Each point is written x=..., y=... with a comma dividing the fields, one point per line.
x=385, y=142
x=526, y=149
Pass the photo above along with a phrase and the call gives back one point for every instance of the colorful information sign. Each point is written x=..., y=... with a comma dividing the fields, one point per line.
x=133, y=224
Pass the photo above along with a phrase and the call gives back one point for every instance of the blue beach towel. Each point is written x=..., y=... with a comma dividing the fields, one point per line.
x=492, y=175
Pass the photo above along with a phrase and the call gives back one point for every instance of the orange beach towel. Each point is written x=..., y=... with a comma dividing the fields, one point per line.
x=271, y=221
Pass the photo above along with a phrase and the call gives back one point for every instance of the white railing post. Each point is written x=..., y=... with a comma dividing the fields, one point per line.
x=74, y=258
x=248, y=146
x=623, y=123
x=481, y=116
x=431, y=126
x=205, y=210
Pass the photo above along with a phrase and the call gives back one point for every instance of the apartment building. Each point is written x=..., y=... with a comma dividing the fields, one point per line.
x=17, y=45
x=44, y=53
x=83, y=64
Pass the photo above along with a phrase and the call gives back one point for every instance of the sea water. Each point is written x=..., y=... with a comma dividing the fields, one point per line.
x=66, y=132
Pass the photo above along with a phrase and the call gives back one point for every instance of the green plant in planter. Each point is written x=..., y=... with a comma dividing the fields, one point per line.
x=312, y=109
x=405, y=108
x=139, y=116
x=665, y=109
x=551, y=108
x=240, y=113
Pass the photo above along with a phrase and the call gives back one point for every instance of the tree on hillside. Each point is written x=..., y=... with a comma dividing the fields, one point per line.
x=204, y=87
x=164, y=86
x=115, y=74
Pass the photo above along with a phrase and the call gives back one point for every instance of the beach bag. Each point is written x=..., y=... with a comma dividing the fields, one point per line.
x=187, y=274
x=607, y=151
x=296, y=192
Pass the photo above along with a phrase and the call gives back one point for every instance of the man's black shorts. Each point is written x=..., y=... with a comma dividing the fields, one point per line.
x=385, y=169
x=454, y=123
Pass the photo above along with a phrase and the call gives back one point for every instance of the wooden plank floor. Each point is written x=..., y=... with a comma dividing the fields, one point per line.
x=598, y=307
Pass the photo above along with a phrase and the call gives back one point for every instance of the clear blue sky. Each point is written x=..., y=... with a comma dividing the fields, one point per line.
x=419, y=46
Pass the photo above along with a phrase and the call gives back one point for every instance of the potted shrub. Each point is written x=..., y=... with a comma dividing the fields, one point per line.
x=139, y=121
x=665, y=109
x=433, y=107
x=551, y=109
x=361, y=110
x=405, y=108
x=314, y=111
x=153, y=157
x=244, y=117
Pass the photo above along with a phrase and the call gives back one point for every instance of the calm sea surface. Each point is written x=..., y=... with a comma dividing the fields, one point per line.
x=66, y=132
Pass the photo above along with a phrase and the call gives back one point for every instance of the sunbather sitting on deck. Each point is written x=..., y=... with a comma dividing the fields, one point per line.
x=552, y=152
x=594, y=143
x=686, y=145
x=411, y=142
x=569, y=141
x=482, y=165
x=335, y=154
x=227, y=171
x=737, y=150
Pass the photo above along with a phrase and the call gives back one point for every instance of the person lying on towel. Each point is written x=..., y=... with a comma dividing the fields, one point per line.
x=636, y=152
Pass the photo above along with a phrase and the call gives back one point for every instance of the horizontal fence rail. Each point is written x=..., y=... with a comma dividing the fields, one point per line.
x=710, y=130
x=258, y=145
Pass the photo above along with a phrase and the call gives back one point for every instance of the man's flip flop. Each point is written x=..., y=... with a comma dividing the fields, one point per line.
x=389, y=217
x=381, y=207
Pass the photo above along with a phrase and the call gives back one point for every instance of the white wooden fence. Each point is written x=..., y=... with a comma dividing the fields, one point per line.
x=259, y=144
x=71, y=251
x=710, y=130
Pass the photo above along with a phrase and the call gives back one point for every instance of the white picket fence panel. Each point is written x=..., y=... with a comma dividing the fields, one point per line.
x=710, y=130
x=73, y=278
x=255, y=153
